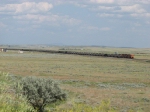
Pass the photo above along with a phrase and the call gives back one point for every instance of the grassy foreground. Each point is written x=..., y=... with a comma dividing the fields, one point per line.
x=11, y=101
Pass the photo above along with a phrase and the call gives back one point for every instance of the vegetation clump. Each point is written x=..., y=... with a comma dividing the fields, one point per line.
x=40, y=92
x=11, y=100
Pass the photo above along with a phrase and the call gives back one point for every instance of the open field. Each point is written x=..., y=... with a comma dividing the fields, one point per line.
x=125, y=82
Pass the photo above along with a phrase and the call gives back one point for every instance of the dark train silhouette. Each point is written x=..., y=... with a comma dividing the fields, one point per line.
x=116, y=55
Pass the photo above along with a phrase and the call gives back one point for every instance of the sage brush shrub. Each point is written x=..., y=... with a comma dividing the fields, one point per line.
x=40, y=92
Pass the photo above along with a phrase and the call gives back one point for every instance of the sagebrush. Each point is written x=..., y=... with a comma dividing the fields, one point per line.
x=40, y=92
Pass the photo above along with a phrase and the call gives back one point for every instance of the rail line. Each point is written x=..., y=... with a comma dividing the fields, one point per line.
x=129, y=56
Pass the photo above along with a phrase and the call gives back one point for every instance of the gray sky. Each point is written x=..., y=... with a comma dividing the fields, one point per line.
x=118, y=23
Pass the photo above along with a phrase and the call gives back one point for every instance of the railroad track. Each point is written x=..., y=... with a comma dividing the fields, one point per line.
x=129, y=56
x=126, y=56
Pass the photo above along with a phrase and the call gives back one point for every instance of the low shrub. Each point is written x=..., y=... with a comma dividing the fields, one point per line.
x=40, y=92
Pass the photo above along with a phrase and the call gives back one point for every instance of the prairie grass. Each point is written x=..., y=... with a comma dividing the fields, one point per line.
x=10, y=101
x=125, y=82
x=82, y=107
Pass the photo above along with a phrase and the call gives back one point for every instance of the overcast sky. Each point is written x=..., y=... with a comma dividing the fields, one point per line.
x=118, y=23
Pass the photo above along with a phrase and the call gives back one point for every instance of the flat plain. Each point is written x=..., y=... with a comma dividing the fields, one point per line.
x=90, y=79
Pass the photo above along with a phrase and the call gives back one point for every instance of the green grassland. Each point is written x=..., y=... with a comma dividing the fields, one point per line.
x=88, y=79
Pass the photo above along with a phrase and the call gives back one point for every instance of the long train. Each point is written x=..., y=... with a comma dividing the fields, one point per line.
x=129, y=56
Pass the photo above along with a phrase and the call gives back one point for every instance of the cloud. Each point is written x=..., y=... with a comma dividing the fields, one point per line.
x=131, y=2
x=102, y=8
x=105, y=15
x=105, y=29
x=88, y=27
x=105, y=8
x=148, y=22
x=94, y=28
x=2, y=25
x=70, y=21
x=48, y=18
x=109, y=15
x=102, y=1
x=143, y=1
x=80, y=5
x=147, y=15
x=119, y=2
x=37, y=17
x=133, y=8
x=28, y=7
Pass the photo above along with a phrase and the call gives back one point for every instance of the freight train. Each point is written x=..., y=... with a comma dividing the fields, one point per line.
x=116, y=55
